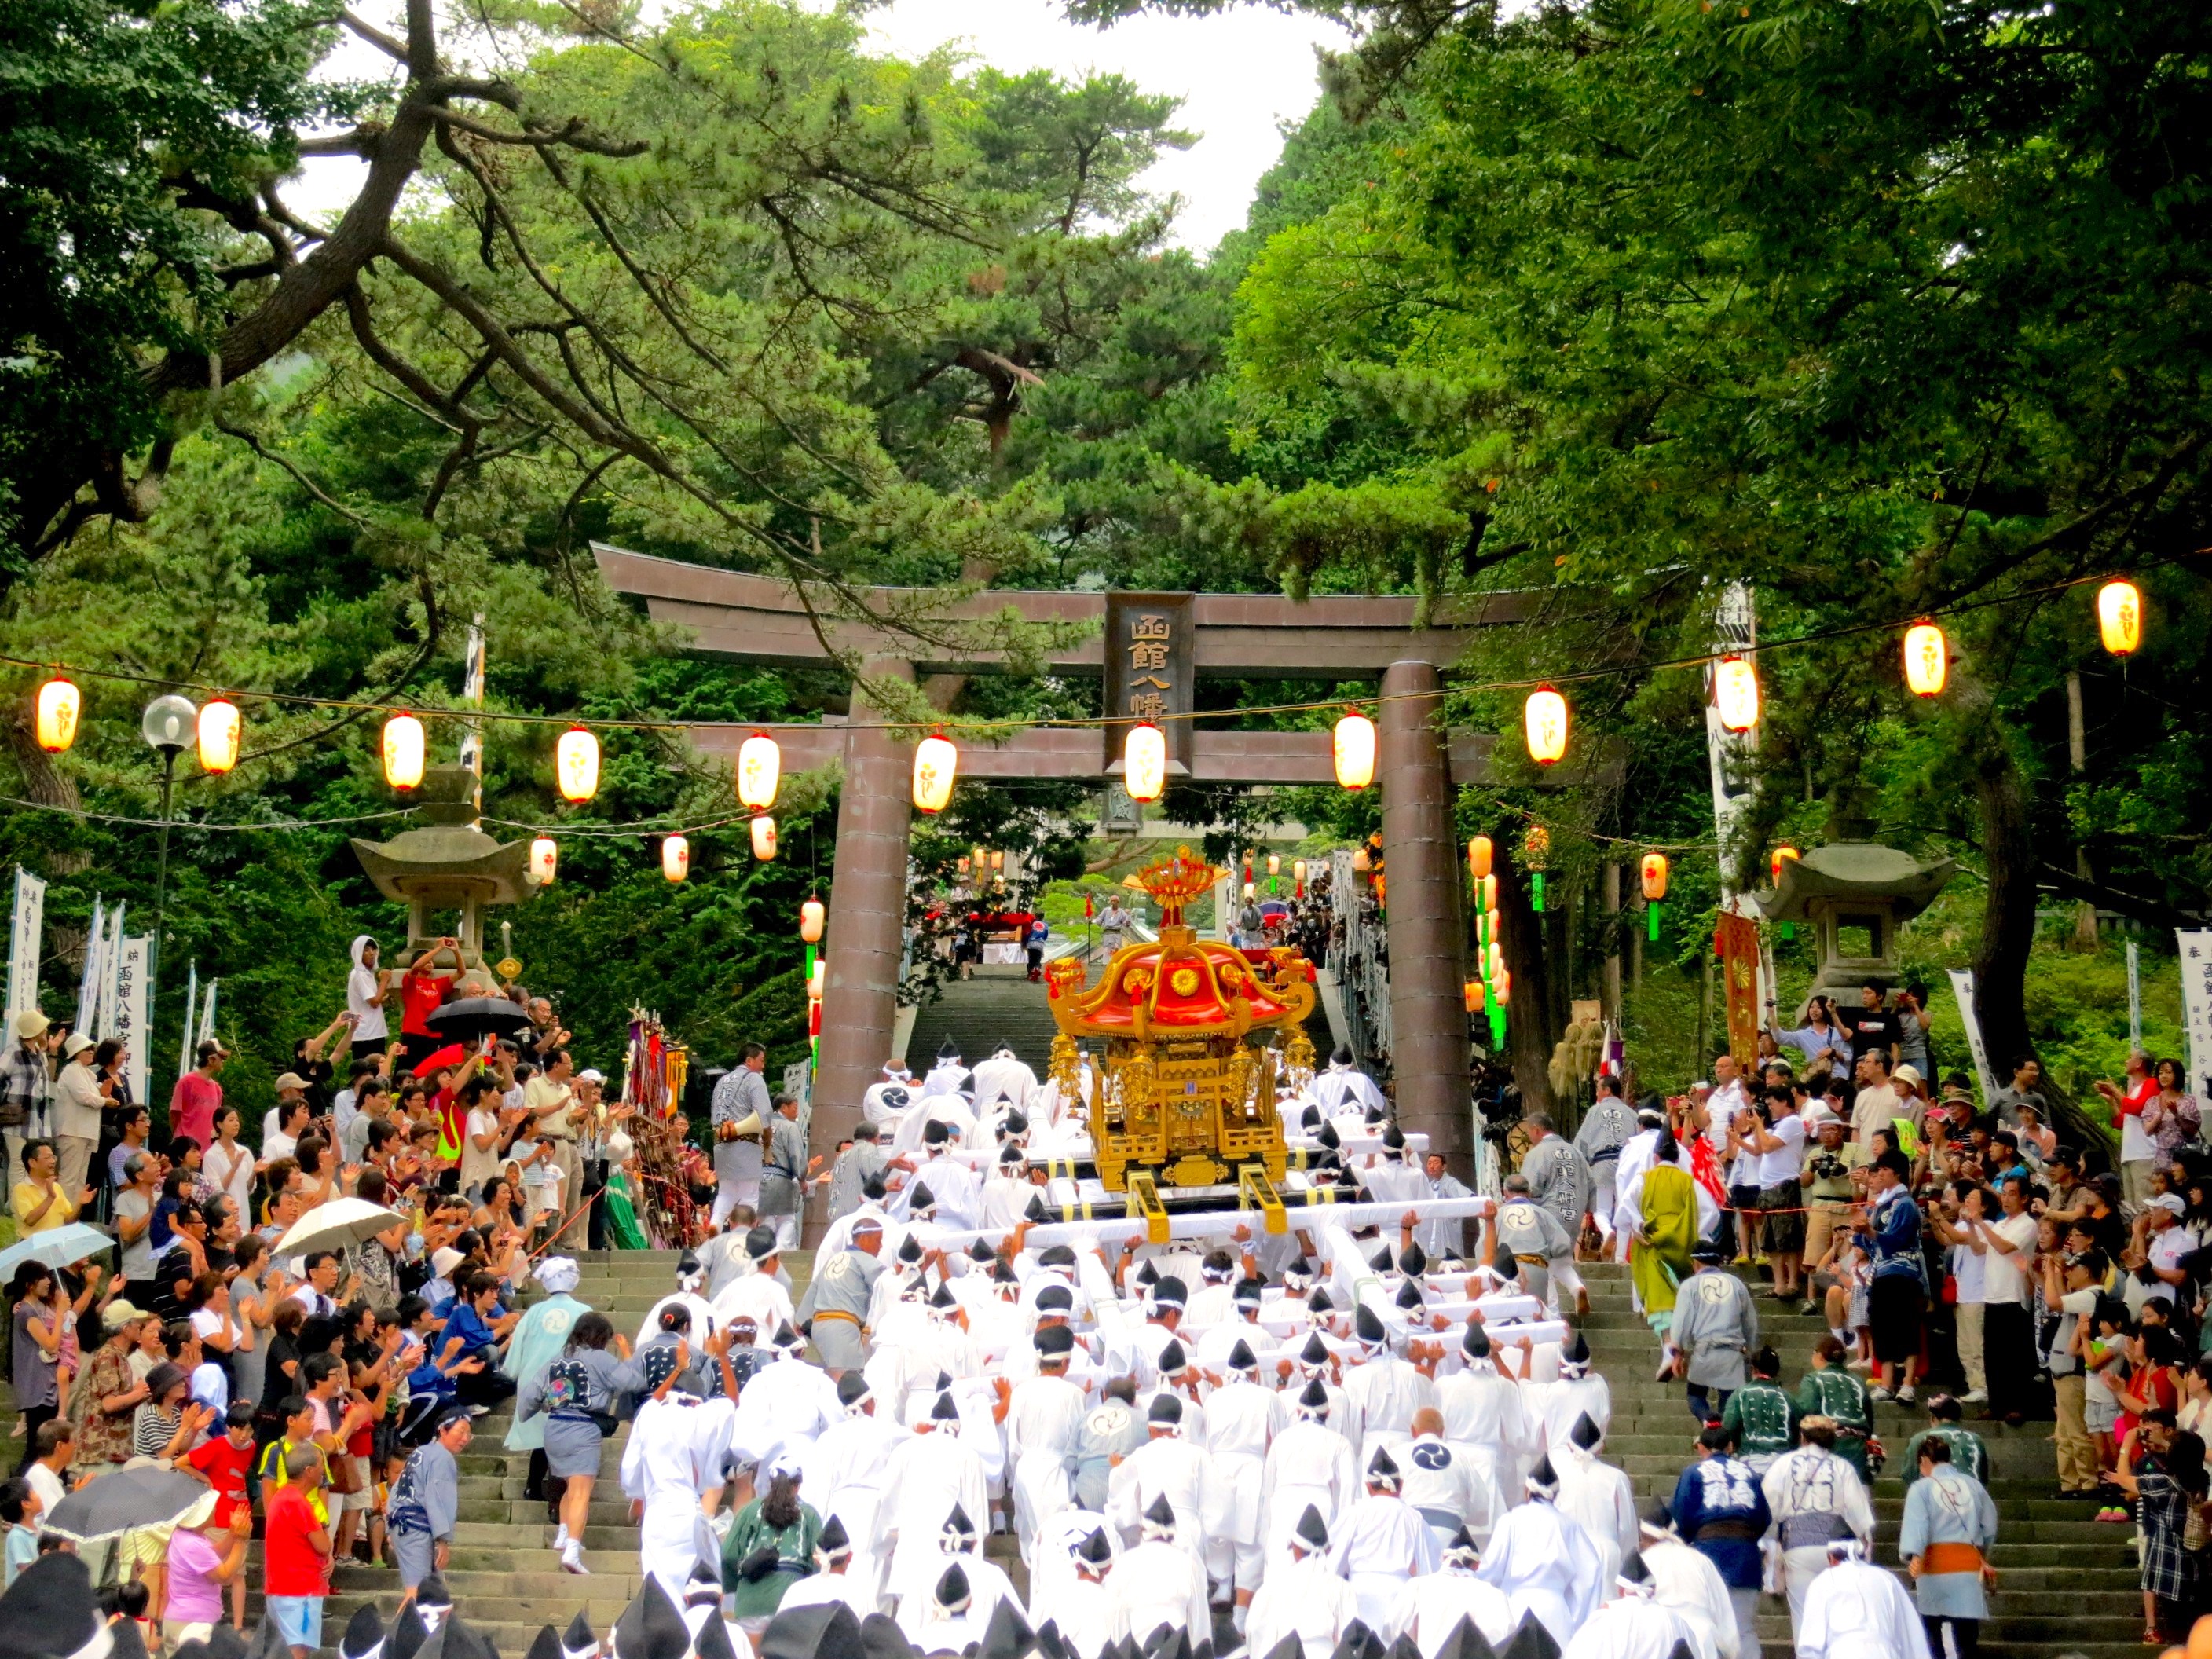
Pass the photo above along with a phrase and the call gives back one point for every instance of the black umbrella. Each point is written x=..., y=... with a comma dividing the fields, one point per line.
x=114, y=1504
x=468, y=1018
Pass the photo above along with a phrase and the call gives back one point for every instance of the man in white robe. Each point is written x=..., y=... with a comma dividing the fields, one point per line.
x=1597, y=1495
x=1303, y=1597
x=1246, y=1297
x=665, y=1468
x=1543, y=1561
x=789, y=1403
x=1815, y=1497
x=1431, y=1606
x=1577, y=1392
x=1308, y=1463
x=844, y=1472
x=931, y=1474
x=1856, y=1610
x=1343, y=1083
x=1003, y=1079
x=834, y=1578
x=1043, y=1417
x=946, y=1074
x=1686, y=1580
x=758, y=1295
x=1484, y=1419
x=1240, y=1421
x=886, y=1102
x=1160, y=1582
x=1168, y=1467
x=689, y=1277
x=1383, y=1392
x=1380, y=1542
x=958, y=1544
x=1448, y=1489
x=945, y=1619
x=1082, y=1605
x=1633, y=1626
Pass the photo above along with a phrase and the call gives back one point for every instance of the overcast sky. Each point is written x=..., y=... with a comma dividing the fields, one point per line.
x=1240, y=75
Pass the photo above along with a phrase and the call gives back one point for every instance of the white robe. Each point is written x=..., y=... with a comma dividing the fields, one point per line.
x=1382, y=1397
x=665, y=1467
x=1856, y=1610
x=1546, y=1565
x=926, y=1623
x=926, y=1475
x=1044, y=1419
x=1156, y=1584
x=1087, y=1613
x=1309, y=1462
x=842, y=1475
x=1484, y=1418
x=787, y=1404
x=1556, y=1406
x=1630, y=1628
x=756, y=1296
x=1002, y=1078
x=1341, y=1086
x=1241, y=1421
x=1304, y=1599
x=1170, y=1467
x=1602, y=1504
x=1380, y=1544
x=703, y=1322
x=1691, y=1585
x=887, y=1102
x=819, y=1588
x=1429, y=1607
x=1436, y=1479
x=958, y=1194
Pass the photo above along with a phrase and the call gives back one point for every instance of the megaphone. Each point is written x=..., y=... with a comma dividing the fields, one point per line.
x=746, y=1129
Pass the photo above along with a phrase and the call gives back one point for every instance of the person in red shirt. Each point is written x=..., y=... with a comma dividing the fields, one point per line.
x=2138, y=1151
x=422, y=989
x=198, y=1096
x=222, y=1461
x=296, y=1553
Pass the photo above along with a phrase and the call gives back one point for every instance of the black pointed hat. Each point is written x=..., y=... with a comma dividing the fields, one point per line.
x=1476, y=1342
x=1164, y=1409
x=1313, y=1529
x=1160, y=1512
x=1315, y=1352
x=1054, y=1341
x=979, y=1251
x=1289, y=1647
x=1055, y=1299
x=1382, y=1465
x=1413, y=1260
x=1531, y=1641
x=713, y=1641
x=880, y=1636
x=1317, y=1301
x=1461, y=1543
x=1173, y=1360
x=945, y=1299
x=1369, y=1325
x=432, y=1592
x=957, y=1523
x=1327, y=1136
x=949, y=1049
x=1393, y=1137
x=1633, y=1572
x=1096, y=1548
x=1249, y=1289
x=1147, y=1273
x=1405, y=1647
x=1409, y=1295
x=1680, y=1650
x=936, y=1133
x=364, y=1636
x=921, y=1199
x=1168, y=1292
x=650, y=1627
x=1310, y=1118
x=1358, y=1642
x=1381, y=1260
x=833, y=1539
x=910, y=1250
x=826, y=1629
x=1316, y=1397
x=402, y=1639
x=1577, y=1352
x=1656, y=1514
x=852, y=1388
x=1543, y=1478
x=1586, y=1432
x=952, y=1591
x=1466, y=1642
x=1050, y=1644
x=1008, y=1636
x=1241, y=1359
x=1034, y=1209
x=1339, y=1055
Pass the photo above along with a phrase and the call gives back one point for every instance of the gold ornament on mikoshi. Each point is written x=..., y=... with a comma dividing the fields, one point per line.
x=1927, y=659
x=404, y=747
x=936, y=763
x=220, y=727
x=764, y=837
x=1479, y=857
x=1354, y=748
x=1655, y=876
x=1544, y=719
x=545, y=858
x=1144, y=761
x=2120, y=617
x=760, y=765
x=675, y=857
x=812, y=915
x=1735, y=693
x=576, y=764
x=59, y=704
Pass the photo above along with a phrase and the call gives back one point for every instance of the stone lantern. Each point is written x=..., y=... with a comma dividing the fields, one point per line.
x=1855, y=895
x=446, y=863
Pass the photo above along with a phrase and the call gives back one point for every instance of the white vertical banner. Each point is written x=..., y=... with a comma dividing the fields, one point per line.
x=25, y=935
x=111, y=973
x=2135, y=996
x=207, y=1015
x=1962, y=988
x=185, y=1057
x=1728, y=754
x=2195, y=944
x=88, y=983
x=133, y=1012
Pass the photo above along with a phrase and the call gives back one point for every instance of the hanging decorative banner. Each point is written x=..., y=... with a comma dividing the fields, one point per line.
x=89, y=979
x=2195, y=944
x=1962, y=990
x=130, y=1017
x=1149, y=673
x=207, y=1015
x=111, y=971
x=25, y=933
x=1736, y=938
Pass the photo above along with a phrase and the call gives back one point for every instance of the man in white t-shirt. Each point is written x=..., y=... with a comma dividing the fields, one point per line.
x=1779, y=1147
x=364, y=1000
x=2075, y=1288
x=1726, y=1104
x=2007, y=1325
x=2165, y=1242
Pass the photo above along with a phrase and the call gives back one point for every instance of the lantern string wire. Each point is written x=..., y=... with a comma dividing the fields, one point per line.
x=983, y=728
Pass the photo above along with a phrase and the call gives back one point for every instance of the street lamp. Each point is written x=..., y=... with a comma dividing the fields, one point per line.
x=167, y=725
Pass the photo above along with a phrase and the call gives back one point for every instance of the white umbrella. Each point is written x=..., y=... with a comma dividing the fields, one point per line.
x=334, y=1225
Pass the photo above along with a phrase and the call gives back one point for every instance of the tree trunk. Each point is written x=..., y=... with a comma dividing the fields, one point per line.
x=1537, y=1017
x=45, y=783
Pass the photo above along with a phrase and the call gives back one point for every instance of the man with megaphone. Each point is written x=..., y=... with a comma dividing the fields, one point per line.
x=741, y=1115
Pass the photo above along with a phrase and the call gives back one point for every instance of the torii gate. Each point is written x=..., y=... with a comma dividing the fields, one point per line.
x=1228, y=635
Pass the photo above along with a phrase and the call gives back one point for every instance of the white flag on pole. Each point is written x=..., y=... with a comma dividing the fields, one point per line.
x=110, y=974
x=2195, y=944
x=132, y=1027
x=206, y=1013
x=26, y=935
x=185, y=1057
x=88, y=984
x=1962, y=988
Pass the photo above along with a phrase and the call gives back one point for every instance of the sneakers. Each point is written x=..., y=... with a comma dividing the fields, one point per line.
x=572, y=1559
x=561, y=1536
x=2112, y=1512
x=1904, y=1395
x=1975, y=1397
x=1879, y=1394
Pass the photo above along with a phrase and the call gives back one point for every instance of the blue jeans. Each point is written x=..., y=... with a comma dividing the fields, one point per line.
x=1703, y=1410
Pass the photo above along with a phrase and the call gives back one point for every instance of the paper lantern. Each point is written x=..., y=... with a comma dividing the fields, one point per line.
x=1735, y=693
x=545, y=858
x=812, y=915
x=1493, y=960
x=1354, y=748
x=220, y=727
x=1361, y=862
x=997, y=859
x=1774, y=860
x=1655, y=876
x=1144, y=761
x=819, y=979
x=404, y=750
x=1545, y=718
x=936, y=762
x=676, y=857
x=2119, y=617
x=1471, y=993
x=59, y=704
x=576, y=764
x=1927, y=659
x=961, y=864
x=764, y=837
x=1298, y=870
x=1479, y=857
x=760, y=763
x=1486, y=892
x=1501, y=987
x=982, y=861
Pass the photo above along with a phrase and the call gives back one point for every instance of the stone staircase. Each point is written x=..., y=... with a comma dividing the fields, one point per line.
x=2067, y=1585
x=997, y=1006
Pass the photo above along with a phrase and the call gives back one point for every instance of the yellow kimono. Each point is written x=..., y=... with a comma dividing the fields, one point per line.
x=1660, y=1260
